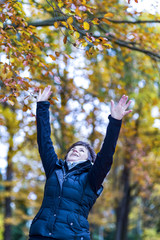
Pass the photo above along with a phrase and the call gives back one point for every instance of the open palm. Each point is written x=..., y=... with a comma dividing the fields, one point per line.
x=44, y=96
x=120, y=110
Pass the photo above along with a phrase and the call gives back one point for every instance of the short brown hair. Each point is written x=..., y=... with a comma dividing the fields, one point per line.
x=92, y=154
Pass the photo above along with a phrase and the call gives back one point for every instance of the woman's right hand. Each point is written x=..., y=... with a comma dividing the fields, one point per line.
x=44, y=96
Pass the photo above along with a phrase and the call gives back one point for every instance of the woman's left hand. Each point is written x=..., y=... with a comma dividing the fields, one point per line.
x=44, y=96
x=120, y=110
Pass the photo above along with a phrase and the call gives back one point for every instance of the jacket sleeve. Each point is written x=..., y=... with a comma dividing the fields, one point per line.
x=45, y=145
x=104, y=158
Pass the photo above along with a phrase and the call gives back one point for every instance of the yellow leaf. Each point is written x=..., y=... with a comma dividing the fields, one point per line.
x=86, y=25
x=56, y=24
x=76, y=35
x=84, y=44
x=60, y=4
x=20, y=4
x=17, y=7
x=108, y=15
x=70, y=20
x=27, y=33
x=65, y=24
x=107, y=45
x=77, y=12
x=1, y=24
x=70, y=26
x=33, y=27
x=89, y=39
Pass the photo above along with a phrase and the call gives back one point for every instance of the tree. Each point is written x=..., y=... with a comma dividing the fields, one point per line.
x=77, y=22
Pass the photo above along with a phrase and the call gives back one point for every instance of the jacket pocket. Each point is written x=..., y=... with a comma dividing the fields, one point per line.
x=73, y=222
x=83, y=222
x=77, y=222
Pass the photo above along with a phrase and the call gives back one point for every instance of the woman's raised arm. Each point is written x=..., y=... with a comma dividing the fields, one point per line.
x=104, y=158
x=45, y=145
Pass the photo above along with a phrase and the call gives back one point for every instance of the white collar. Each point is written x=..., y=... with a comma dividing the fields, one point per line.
x=74, y=163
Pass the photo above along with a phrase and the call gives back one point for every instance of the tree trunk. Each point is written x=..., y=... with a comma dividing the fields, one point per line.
x=8, y=210
x=101, y=233
x=122, y=210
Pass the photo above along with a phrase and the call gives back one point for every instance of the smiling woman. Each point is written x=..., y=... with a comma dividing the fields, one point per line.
x=83, y=151
x=73, y=185
x=77, y=153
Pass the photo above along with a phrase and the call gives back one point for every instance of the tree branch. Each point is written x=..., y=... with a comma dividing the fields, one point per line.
x=49, y=22
x=131, y=22
x=126, y=44
x=122, y=43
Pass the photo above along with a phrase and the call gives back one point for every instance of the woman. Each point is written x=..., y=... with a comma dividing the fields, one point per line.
x=72, y=186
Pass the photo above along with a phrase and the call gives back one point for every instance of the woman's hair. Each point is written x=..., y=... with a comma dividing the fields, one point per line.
x=91, y=152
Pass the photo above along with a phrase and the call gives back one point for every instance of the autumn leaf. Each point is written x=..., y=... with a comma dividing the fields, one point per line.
x=108, y=15
x=76, y=35
x=26, y=107
x=56, y=24
x=89, y=39
x=65, y=24
x=52, y=100
x=65, y=39
x=105, y=20
x=84, y=44
x=60, y=4
x=57, y=54
x=78, y=12
x=86, y=26
x=53, y=58
x=70, y=20
x=107, y=45
x=55, y=98
x=71, y=27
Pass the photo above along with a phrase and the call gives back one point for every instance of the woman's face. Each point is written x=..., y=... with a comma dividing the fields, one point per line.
x=77, y=153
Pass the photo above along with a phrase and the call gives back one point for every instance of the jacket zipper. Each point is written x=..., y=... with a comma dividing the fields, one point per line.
x=64, y=177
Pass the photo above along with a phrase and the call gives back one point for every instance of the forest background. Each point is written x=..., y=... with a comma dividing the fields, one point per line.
x=89, y=52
